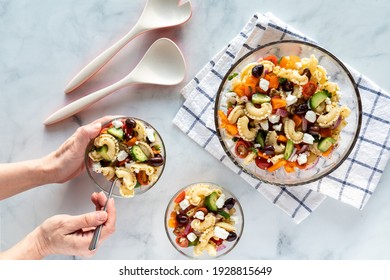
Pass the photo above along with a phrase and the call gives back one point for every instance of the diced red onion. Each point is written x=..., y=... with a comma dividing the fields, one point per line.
x=187, y=229
x=304, y=124
x=221, y=247
x=313, y=164
x=282, y=112
x=303, y=149
x=337, y=123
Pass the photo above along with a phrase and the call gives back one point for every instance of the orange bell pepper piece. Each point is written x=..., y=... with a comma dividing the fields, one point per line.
x=282, y=138
x=273, y=82
x=277, y=165
x=277, y=103
x=297, y=119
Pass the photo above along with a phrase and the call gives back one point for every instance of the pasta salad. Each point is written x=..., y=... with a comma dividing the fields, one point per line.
x=204, y=217
x=283, y=113
x=131, y=151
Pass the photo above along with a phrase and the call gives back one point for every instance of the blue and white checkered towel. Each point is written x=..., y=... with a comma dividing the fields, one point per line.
x=352, y=183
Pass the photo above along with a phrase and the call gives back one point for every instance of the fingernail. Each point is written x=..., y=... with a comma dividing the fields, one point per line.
x=101, y=215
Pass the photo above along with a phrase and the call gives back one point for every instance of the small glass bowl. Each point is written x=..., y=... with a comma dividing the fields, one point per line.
x=350, y=97
x=105, y=184
x=174, y=230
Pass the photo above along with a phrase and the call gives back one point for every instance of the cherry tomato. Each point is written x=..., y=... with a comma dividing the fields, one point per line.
x=272, y=58
x=308, y=90
x=182, y=241
x=217, y=242
x=242, y=148
x=142, y=178
x=262, y=163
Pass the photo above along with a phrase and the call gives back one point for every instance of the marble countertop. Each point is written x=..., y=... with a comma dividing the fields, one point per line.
x=44, y=43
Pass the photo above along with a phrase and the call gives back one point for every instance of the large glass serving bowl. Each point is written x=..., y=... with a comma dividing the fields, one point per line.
x=349, y=96
x=103, y=183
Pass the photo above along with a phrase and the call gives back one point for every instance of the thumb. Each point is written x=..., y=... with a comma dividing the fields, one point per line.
x=88, y=132
x=92, y=219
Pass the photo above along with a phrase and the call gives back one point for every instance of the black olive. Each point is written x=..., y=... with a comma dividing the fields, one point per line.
x=229, y=203
x=257, y=70
x=301, y=109
x=288, y=86
x=182, y=219
x=130, y=123
x=155, y=161
x=232, y=236
x=307, y=72
x=269, y=150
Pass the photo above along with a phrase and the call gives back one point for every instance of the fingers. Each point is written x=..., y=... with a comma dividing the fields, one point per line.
x=99, y=199
x=92, y=219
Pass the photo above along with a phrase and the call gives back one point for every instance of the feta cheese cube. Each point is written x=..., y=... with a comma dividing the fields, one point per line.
x=277, y=127
x=327, y=101
x=310, y=116
x=298, y=65
x=264, y=84
x=220, y=232
x=191, y=237
x=199, y=215
x=184, y=204
x=117, y=123
x=302, y=158
x=308, y=139
x=150, y=134
x=122, y=155
x=291, y=99
x=96, y=167
x=264, y=124
x=274, y=118
x=220, y=201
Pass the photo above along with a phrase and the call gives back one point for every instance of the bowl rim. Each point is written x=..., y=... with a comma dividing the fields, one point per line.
x=225, y=190
x=235, y=64
x=90, y=144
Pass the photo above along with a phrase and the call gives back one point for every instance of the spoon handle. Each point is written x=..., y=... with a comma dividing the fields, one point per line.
x=82, y=103
x=95, y=65
x=98, y=230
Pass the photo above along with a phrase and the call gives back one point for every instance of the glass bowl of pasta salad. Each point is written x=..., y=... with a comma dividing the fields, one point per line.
x=204, y=221
x=288, y=113
x=127, y=149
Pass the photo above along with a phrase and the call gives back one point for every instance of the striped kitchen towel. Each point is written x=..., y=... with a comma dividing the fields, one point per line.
x=352, y=183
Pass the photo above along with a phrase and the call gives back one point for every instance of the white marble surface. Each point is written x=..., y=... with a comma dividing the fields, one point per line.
x=44, y=43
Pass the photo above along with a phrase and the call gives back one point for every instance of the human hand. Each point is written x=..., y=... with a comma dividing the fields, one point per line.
x=68, y=160
x=71, y=235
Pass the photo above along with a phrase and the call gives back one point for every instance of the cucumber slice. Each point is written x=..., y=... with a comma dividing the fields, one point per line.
x=103, y=152
x=259, y=98
x=289, y=149
x=260, y=139
x=210, y=202
x=116, y=132
x=318, y=98
x=224, y=214
x=137, y=154
x=326, y=143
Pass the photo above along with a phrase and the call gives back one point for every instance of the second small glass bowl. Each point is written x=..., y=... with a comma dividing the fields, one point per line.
x=180, y=225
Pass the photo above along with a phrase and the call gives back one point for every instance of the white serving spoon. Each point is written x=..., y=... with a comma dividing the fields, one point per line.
x=162, y=64
x=156, y=14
